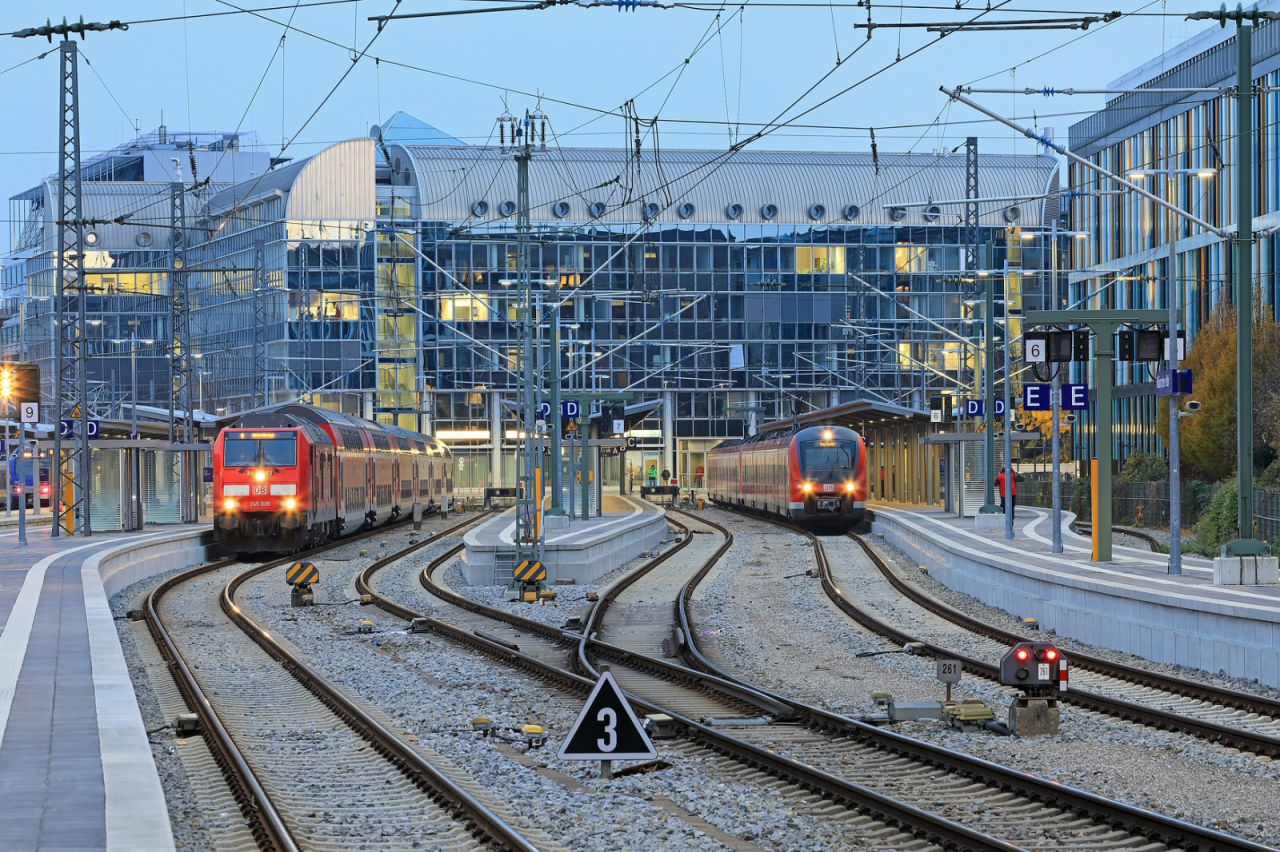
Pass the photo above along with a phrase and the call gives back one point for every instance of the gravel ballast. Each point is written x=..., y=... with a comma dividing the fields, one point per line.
x=433, y=688
x=783, y=633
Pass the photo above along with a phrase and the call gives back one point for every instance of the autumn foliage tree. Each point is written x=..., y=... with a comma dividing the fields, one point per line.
x=1208, y=438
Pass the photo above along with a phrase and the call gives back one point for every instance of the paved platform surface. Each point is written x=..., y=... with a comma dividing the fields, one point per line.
x=1131, y=603
x=616, y=510
x=76, y=771
x=580, y=550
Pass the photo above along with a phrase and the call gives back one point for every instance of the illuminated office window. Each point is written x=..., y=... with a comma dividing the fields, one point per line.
x=464, y=308
x=909, y=258
x=820, y=260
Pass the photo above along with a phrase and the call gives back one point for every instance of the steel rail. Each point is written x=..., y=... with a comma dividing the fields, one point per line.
x=268, y=825
x=1129, y=531
x=906, y=817
x=1211, y=731
x=487, y=824
x=1147, y=823
x=265, y=823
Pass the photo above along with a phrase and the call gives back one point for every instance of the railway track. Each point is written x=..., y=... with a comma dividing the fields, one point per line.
x=1239, y=720
x=868, y=818
x=1085, y=528
x=309, y=767
x=930, y=792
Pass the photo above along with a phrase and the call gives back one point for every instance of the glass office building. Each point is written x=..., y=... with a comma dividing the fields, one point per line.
x=1125, y=262
x=381, y=276
x=132, y=240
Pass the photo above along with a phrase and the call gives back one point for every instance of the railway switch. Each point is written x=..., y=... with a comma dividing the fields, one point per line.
x=482, y=725
x=660, y=726
x=1038, y=669
x=366, y=626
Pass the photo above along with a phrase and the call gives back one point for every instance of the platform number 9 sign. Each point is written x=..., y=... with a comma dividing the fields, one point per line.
x=610, y=739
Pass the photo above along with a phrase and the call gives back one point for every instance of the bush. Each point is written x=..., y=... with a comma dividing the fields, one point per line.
x=1217, y=525
x=1270, y=479
x=1144, y=467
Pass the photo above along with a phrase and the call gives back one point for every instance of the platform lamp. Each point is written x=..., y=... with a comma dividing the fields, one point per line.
x=1173, y=297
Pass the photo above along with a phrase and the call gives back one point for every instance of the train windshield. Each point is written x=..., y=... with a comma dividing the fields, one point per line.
x=826, y=460
x=268, y=449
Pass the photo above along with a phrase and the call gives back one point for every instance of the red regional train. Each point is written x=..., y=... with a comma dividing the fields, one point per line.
x=815, y=477
x=294, y=476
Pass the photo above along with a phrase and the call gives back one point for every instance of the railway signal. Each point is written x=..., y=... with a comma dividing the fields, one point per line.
x=606, y=730
x=1039, y=670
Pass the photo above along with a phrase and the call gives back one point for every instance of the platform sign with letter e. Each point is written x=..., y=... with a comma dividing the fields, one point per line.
x=607, y=729
x=30, y=412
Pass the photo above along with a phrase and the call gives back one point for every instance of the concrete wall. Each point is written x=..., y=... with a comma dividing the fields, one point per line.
x=1169, y=626
x=130, y=562
x=583, y=560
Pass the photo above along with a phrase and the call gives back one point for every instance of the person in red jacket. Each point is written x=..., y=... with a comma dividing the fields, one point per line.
x=1012, y=491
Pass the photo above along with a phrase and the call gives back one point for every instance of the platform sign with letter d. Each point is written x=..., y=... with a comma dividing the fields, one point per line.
x=607, y=729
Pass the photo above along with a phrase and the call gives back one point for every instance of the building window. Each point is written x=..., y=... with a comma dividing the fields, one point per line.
x=464, y=308
x=820, y=260
x=909, y=258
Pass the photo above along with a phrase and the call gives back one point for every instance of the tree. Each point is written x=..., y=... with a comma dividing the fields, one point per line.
x=1208, y=438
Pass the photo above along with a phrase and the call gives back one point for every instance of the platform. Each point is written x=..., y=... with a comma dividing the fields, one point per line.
x=76, y=769
x=582, y=551
x=1131, y=604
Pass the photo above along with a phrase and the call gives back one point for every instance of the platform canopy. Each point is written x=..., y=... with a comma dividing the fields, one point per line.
x=855, y=415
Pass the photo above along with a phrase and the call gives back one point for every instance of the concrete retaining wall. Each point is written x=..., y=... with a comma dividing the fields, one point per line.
x=1168, y=626
x=583, y=561
x=130, y=562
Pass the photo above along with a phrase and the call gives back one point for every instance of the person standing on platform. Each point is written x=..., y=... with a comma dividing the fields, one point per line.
x=666, y=476
x=653, y=474
x=1011, y=491
x=697, y=477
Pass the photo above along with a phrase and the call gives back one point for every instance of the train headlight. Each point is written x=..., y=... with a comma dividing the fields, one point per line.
x=827, y=434
x=290, y=503
x=230, y=505
x=806, y=487
x=848, y=487
x=259, y=475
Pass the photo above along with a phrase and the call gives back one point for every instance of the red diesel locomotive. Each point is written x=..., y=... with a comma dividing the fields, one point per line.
x=815, y=477
x=294, y=476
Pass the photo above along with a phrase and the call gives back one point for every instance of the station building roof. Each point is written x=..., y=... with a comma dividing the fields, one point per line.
x=855, y=415
x=577, y=185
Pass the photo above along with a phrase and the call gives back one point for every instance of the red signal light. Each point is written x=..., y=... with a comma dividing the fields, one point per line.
x=1022, y=654
x=1051, y=654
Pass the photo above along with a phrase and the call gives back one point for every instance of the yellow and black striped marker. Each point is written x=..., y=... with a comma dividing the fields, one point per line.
x=530, y=571
x=302, y=574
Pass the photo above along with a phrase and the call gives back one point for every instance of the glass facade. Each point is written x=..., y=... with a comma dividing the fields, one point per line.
x=1125, y=262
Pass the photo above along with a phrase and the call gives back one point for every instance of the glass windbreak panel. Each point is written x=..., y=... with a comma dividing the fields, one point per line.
x=826, y=460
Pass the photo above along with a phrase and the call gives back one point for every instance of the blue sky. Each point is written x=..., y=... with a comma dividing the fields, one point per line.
x=201, y=74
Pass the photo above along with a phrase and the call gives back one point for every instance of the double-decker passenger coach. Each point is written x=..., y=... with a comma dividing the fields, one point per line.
x=294, y=476
x=815, y=476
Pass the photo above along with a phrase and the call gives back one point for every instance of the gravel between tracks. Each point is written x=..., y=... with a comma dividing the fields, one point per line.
x=805, y=647
x=193, y=827
x=432, y=688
